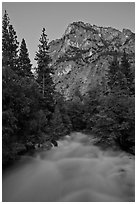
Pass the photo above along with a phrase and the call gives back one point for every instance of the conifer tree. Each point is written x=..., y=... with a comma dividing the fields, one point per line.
x=24, y=61
x=9, y=55
x=120, y=76
x=9, y=44
x=13, y=46
x=118, y=106
x=112, y=73
x=44, y=73
x=116, y=78
x=126, y=70
x=5, y=39
x=58, y=128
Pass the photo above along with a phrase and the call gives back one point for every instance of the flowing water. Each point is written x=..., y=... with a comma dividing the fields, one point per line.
x=72, y=172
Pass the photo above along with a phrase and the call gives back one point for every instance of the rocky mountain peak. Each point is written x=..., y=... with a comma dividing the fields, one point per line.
x=81, y=57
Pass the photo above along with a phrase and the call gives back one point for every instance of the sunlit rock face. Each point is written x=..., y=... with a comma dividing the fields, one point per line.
x=86, y=51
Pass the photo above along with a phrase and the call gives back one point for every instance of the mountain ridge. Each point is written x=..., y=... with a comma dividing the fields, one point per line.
x=81, y=57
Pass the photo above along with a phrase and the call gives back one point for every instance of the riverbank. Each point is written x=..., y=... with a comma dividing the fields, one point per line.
x=19, y=149
x=12, y=155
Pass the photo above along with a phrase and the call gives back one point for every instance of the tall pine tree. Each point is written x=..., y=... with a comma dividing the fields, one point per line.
x=24, y=61
x=5, y=39
x=13, y=48
x=116, y=78
x=128, y=73
x=44, y=72
x=9, y=44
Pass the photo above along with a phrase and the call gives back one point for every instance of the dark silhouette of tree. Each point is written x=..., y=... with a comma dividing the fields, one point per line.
x=9, y=44
x=58, y=125
x=24, y=61
x=9, y=78
x=115, y=121
x=5, y=39
x=128, y=73
x=13, y=48
x=120, y=76
x=114, y=74
x=44, y=72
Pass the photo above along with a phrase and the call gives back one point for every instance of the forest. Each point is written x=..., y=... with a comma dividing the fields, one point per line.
x=35, y=115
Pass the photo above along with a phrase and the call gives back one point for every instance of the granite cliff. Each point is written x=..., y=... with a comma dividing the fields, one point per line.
x=81, y=57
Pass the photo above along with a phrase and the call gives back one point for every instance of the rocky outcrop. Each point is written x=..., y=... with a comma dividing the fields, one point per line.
x=81, y=57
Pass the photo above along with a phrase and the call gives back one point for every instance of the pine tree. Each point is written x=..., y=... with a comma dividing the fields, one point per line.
x=112, y=73
x=24, y=61
x=8, y=55
x=13, y=48
x=5, y=39
x=118, y=106
x=120, y=76
x=116, y=78
x=58, y=128
x=9, y=44
x=44, y=73
x=126, y=70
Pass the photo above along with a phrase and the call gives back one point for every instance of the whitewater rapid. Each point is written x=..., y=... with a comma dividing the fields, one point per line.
x=75, y=171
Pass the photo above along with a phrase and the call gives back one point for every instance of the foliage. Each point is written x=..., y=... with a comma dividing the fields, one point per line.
x=29, y=117
x=115, y=121
x=44, y=73
x=58, y=128
x=24, y=112
x=75, y=112
x=129, y=75
x=5, y=38
x=33, y=113
x=24, y=61
x=9, y=44
x=91, y=105
x=120, y=76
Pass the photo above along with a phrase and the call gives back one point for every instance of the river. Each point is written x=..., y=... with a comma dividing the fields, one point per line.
x=75, y=171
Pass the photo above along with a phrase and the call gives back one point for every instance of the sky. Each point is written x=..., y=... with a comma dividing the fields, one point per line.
x=28, y=18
